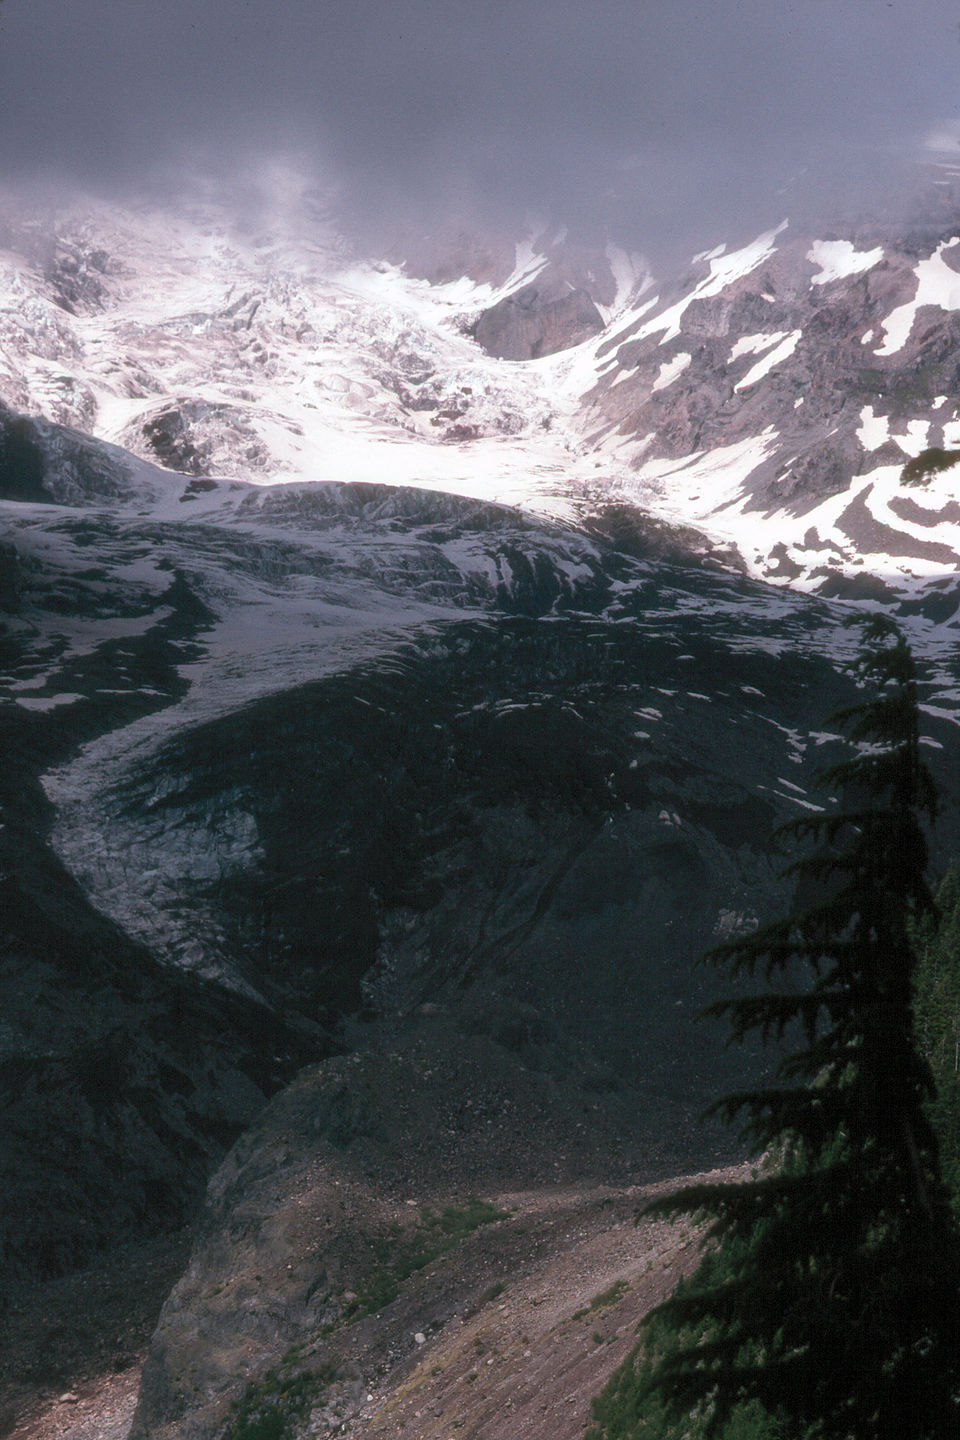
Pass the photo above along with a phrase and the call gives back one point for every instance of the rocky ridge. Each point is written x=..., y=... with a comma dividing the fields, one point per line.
x=776, y=393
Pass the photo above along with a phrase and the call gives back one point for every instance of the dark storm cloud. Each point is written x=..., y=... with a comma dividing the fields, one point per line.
x=652, y=117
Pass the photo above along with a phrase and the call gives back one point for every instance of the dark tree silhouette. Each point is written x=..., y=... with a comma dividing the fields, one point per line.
x=938, y=1022
x=829, y=1299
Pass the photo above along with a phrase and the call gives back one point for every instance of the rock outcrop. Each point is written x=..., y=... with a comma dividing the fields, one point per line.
x=539, y=319
x=776, y=393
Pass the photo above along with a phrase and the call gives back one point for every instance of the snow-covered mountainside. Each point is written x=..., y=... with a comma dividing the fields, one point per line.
x=770, y=396
x=799, y=396
x=276, y=356
x=377, y=640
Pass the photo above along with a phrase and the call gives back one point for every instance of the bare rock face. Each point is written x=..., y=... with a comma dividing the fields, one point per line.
x=197, y=438
x=52, y=464
x=558, y=307
x=449, y=253
x=167, y=435
x=539, y=319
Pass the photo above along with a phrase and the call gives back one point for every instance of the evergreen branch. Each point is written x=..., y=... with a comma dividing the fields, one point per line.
x=828, y=1290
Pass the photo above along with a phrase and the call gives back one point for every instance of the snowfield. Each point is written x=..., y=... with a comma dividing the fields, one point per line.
x=273, y=354
x=292, y=361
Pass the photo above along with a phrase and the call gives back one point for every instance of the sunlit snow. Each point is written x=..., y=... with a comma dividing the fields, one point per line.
x=874, y=429
x=839, y=259
x=767, y=362
x=755, y=344
x=937, y=284
x=670, y=370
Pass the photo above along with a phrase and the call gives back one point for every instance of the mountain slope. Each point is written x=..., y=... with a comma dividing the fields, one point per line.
x=776, y=395
x=368, y=693
x=770, y=396
x=309, y=751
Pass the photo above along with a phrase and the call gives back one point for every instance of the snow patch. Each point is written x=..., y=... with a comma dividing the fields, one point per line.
x=706, y=255
x=670, y=369
x=755, y=344
x=839, y=259
x=698, y=487
x=724, y=270
x=938, y=284
x=527, y=266
x=47, y=702
x=775, y=357
x=874, y=429
x=915, y=438
x=631, y=275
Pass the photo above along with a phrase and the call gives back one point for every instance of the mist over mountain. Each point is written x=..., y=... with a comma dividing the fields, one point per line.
x=656, y=126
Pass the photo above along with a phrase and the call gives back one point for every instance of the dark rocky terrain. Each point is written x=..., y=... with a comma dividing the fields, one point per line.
x=344, y=1239
x=460, y=810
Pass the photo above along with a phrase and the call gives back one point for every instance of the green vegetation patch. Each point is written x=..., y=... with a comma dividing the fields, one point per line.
x=611, y=1296
x=271, y=1407
x=927, y=463
x=629, y=1407
x=401, y=1253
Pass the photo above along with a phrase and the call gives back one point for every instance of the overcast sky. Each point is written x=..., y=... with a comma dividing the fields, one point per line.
x=653, y=117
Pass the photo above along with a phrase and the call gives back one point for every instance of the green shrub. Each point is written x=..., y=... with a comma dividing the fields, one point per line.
x=629, y=1408
x=401, y=1254
x=270, y=1408
x=611, y=1296
x=927, y=463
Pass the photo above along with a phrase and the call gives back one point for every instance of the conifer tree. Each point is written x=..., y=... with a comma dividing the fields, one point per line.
x=938, y=1022
x=829, y=1301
